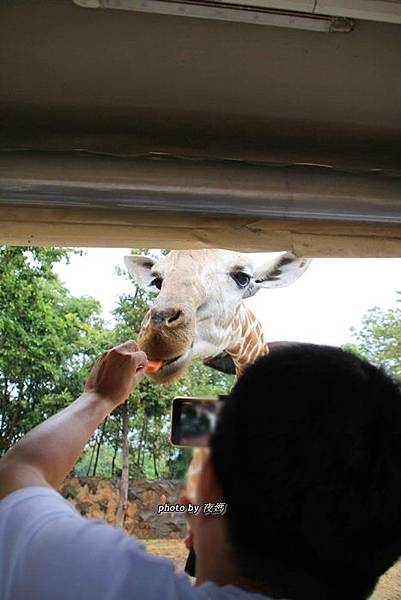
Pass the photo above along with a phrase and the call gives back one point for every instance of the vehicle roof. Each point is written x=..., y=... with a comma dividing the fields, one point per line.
x=273, y=132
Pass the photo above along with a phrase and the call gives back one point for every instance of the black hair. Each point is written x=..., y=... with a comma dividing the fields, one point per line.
x=307, y=449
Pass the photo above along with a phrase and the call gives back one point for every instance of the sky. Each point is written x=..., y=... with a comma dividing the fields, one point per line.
x=321, y=307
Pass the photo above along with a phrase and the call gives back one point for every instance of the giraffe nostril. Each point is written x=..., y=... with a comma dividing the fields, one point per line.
x=175, y=317
x=169, y=317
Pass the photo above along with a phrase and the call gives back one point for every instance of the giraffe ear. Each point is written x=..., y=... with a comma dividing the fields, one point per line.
x=140, y=268
x=280, y=272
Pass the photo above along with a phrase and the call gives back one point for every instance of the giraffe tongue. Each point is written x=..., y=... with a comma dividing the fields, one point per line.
x=156, y=365
x=153, y=366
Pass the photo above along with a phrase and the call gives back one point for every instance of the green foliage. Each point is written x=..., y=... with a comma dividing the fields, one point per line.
x=179, y=462
x=48, y=339
x=379, y=338
x=104, y=467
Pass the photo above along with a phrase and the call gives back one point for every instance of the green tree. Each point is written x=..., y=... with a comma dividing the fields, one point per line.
x=379, y=338
x=48, y=339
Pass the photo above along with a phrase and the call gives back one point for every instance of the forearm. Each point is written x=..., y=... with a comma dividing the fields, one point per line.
x=48, y=452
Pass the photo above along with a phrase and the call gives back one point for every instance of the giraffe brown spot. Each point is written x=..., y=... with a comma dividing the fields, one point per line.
x=235, y=349
x=286, y=260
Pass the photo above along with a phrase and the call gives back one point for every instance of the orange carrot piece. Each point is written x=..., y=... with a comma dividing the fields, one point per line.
x=153, y=366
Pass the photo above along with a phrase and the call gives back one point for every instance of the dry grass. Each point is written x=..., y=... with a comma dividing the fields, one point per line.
x=173, y=549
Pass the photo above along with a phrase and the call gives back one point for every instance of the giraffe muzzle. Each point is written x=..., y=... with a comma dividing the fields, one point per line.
x=169, y=369
x=171, y=317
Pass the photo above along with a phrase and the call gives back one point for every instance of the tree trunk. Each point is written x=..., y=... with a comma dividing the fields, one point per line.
x=113, y=462
x=123, y=500
x=142, y=444
x=3, y=405
x=91, y=460
x=156, y=470
x=99, y=445
x=144, y=439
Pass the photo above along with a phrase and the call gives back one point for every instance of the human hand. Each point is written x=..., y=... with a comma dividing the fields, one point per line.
x=117, y=372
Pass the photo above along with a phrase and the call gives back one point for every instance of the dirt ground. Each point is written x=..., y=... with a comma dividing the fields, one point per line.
x=389, y=587
x=173, y=549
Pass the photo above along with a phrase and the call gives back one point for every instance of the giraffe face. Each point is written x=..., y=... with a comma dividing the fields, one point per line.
x=199, y=292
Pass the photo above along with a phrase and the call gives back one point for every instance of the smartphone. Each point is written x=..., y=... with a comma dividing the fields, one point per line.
x=193, y=420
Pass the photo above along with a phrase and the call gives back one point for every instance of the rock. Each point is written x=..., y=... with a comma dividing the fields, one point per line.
x=97, y=498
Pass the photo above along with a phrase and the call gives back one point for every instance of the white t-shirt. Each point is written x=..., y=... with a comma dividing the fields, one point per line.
x=49, y=552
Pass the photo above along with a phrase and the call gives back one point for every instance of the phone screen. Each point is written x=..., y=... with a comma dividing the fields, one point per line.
x=193, y=420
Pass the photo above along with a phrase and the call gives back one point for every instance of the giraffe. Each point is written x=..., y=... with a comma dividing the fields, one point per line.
x=199, y=311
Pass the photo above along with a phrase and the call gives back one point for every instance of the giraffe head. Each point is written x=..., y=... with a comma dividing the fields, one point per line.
x=199, y=293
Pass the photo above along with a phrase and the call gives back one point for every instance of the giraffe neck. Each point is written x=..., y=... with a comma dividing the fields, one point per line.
x=247, y=341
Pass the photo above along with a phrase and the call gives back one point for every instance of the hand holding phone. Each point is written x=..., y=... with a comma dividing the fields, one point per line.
x=192, y=422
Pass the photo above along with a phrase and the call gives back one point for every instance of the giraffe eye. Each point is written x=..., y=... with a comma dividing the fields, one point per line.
x=157, y=282
x=242, y=279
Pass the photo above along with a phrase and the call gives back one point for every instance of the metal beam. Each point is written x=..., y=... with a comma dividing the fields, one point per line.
x=266, y=12
x=178, y=185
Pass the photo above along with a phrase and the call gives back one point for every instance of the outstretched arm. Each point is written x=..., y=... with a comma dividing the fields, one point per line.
x=47, y=453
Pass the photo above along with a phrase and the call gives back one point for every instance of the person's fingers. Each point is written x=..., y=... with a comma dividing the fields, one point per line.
x=141, y=359
x=189, y=540
x=127, y=347
x=129, y=350
x=185, y=500
x=123, y=357
x=118, y=371
x=139, y=375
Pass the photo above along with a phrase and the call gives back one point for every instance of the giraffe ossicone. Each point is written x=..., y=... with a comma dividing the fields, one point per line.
x=199, y=310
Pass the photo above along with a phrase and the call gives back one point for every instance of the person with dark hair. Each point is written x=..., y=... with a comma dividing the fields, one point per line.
x=306, y=455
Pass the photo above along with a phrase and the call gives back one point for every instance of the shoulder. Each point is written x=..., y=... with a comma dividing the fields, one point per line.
x=50, y=550
x=30, y=507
